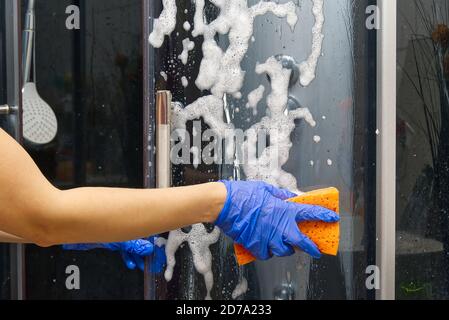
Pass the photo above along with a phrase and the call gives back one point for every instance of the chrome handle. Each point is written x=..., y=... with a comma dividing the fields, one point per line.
x=7, y=110
x=163, y=142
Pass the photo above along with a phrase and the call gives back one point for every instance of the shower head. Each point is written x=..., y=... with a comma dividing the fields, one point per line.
x=39, y=121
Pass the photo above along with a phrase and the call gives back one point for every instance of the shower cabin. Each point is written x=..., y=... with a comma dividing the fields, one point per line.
x=117, y=73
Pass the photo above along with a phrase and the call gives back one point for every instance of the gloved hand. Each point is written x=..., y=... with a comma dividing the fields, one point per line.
x=256, y=216
x=133, y=252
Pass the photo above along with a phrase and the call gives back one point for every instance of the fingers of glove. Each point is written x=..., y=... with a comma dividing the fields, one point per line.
x=279, y=193
x=129, y=260
x=139, y=247
x=134, y=261
x=260, y=253
x=140, y=262
x=296, y=239
x=312, y=213
x=282, y=250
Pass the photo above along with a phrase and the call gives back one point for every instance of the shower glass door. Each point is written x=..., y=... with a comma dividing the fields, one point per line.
x=10, y=255
x=422, y=252
x=89, y=71
x=304, y=73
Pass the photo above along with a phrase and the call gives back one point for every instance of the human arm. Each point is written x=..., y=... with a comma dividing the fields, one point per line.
x=253, y=214
x=9, y=238
x=35, y=210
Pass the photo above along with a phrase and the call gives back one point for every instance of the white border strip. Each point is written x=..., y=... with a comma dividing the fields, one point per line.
x=386, y=149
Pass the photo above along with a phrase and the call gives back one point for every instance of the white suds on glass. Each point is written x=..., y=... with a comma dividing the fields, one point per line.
x=184, y=82
x=187, y=46
x=165, y=24
x=240, y=289
x=254, y=98
x=199, y=241
x=308, y=68
x=279, y=126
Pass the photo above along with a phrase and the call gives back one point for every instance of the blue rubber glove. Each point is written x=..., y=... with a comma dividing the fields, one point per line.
x=256, y=216
x=133, y=252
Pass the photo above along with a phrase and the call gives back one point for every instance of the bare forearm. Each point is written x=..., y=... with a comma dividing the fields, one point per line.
x=112, y=215
x=34, y=210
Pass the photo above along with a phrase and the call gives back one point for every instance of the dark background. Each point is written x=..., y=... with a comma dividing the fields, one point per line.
x=92, y=78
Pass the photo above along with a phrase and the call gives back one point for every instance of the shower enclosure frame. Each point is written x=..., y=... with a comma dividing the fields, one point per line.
x=13, y=59
x=386, y=141
x=386, y=149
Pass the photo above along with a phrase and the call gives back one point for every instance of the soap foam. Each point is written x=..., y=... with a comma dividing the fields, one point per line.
x=240, y=289
x=308, y=68
x=220, y=72
x=279, y=126
x=187, y=46
x=254, y=98
x=185, y=82
x=199, y=241
x=165, y=24
x=164, y=75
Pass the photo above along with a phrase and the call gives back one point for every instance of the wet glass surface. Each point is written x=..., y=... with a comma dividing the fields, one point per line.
x=92, y=79
x=342, y=101
x=423, y=150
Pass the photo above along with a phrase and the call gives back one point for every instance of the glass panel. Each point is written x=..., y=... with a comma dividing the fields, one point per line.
x=92, y=79
x=9, y=95
x=337, y=148
x=423, y=150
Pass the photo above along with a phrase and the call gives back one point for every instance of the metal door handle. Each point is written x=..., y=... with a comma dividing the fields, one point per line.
x=163, y=141
x=7, y=110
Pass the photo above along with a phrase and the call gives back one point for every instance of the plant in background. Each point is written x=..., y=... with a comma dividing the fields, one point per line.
x=429, y=76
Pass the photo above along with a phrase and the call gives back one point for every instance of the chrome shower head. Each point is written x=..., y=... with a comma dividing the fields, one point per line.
x=40, y=125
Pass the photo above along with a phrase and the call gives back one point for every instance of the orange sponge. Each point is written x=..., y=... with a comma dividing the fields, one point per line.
x=325, y=235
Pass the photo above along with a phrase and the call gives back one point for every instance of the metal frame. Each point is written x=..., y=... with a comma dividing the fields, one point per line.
x=386, y=144
x=14, y=83
x=386, y=149
x=149, y=134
